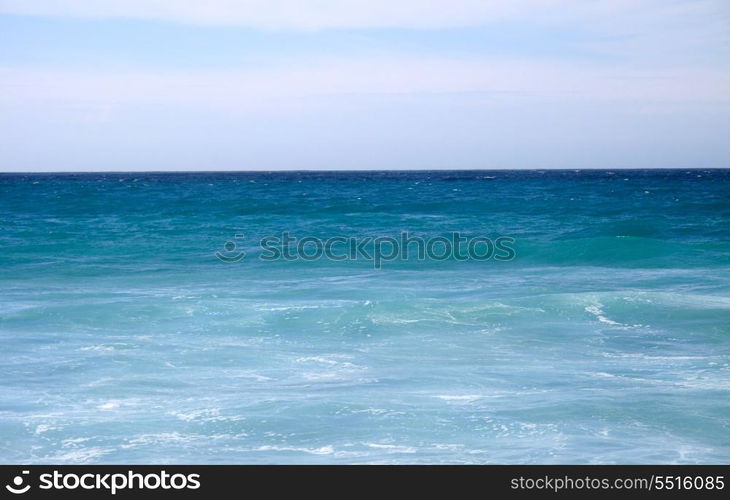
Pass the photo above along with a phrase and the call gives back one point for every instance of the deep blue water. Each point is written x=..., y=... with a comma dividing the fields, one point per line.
x=606, y=339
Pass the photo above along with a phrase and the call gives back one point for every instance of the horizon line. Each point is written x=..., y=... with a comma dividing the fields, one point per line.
x=269, y=171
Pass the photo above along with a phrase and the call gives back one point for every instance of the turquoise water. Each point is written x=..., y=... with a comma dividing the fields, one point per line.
x=605, y=340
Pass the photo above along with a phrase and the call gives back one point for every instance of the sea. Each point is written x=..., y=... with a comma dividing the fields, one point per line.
x=144, y=320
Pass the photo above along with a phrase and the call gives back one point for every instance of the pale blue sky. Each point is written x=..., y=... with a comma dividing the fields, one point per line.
x=282, y=84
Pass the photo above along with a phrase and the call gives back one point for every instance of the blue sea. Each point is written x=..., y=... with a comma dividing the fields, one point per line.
x=605, y=339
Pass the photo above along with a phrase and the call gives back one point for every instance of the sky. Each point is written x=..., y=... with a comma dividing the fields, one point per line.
x=132, y=85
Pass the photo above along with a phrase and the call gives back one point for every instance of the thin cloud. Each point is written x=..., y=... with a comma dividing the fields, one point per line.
x=323, y=14
x=230, y=88
x=296, y=14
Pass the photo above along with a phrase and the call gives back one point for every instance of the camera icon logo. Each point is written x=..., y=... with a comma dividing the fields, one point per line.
x=17, y=486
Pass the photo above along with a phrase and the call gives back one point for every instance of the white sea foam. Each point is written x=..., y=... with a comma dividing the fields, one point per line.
x=174, y=438
x=460, y=398
x=74, y=442
x=330, y=360
x=323, y=450
x=78, y=456
x=598, y=313
x=392, y=448
x=41, y=428
x=98, y=348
